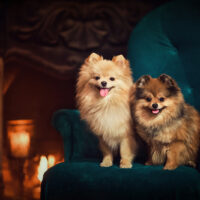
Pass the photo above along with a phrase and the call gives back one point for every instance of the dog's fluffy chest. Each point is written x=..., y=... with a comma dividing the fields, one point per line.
x=163, y=134
x=112, y=120
x=111, y=123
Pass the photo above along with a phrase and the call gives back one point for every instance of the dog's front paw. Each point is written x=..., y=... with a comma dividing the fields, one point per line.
x=125, y=164
x=192, y=164
x=106, y=163
x=149, y=162
x=170, y=166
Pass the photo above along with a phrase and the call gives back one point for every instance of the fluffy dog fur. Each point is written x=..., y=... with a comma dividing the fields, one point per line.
x=169, y=127
x=103, y=90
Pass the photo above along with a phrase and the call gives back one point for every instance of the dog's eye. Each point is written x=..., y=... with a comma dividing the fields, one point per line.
x=161, y=99
x=148, y=99
x=112, y=78
x=96, y=77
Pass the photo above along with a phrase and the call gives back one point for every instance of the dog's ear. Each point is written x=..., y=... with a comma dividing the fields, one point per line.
x=93, y=58
x=164, y=78
x=120, y=61
x=142, y=81
x=170, y=82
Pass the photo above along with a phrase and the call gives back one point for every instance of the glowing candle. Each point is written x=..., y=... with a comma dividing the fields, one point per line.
x=45, y=163
x=51, y=161
x=43, y=166
x=19, y=134
x=20, y=143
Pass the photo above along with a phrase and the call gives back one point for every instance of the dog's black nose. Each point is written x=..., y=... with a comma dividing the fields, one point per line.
x=104, y=83
x=154, y=105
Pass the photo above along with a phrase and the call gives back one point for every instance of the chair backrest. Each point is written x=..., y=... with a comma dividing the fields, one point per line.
x=167, y=40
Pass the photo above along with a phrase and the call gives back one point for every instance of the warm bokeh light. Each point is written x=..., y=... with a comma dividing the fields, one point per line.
x=43, y=166
x=51, y=161
x=45, y=163
x=20, y=143
x=19, y=135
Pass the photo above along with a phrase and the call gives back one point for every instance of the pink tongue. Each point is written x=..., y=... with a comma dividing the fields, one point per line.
x=104, y=92
x=155, y=111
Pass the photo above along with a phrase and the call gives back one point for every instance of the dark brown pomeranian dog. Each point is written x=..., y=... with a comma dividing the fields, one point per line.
x=168, y=126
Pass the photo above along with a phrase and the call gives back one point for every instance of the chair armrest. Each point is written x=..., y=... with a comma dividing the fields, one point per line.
x=79, y=142
x=63, y=121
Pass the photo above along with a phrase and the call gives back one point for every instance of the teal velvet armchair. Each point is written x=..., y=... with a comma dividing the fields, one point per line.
x=167, y=41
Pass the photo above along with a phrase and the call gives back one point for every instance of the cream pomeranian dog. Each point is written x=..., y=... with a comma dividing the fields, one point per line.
x=103, y=90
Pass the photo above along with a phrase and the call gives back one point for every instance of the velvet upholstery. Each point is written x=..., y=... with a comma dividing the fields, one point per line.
x=166, y=41
x=87, y=180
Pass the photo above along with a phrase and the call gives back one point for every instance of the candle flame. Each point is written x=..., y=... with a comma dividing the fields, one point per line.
x=45, y=163
x=43, y=166
x=51, y=161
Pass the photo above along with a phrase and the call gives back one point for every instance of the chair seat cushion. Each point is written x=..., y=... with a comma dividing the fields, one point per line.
x=87, y=180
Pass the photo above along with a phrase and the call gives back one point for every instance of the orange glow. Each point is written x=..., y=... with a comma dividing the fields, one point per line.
x=45, y=163
x=43, y=166
x=20, y=143
x=19, y=134
x=51, y=161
